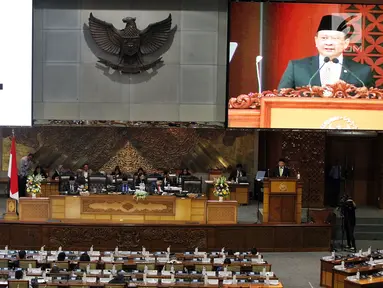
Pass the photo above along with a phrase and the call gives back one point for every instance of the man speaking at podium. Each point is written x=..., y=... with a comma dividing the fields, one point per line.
x=329, y=66
x=281, y=170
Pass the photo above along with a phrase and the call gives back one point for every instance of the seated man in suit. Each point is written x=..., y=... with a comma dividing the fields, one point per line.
x=281, y=170
x=20, y=256
x=237, y=173
x=71, y=186
x=332, y=38
x=119, y=278
x=158, y=186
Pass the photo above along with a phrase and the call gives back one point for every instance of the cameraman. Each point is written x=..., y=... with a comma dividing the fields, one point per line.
x=348, y=208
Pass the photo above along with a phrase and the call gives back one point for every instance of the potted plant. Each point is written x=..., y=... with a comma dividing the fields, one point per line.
x=221, y=188
x=34, y=184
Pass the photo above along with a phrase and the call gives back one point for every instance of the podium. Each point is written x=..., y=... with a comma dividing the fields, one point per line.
x=282, y=200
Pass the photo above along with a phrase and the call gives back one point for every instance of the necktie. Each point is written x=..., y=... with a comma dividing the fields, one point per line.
x=280, y=171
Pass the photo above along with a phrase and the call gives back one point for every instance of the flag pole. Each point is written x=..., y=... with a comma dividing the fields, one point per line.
x=11, y=210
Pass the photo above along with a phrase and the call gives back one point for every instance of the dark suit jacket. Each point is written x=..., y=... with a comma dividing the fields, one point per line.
x=275, y=172
x=299, y=72
x=154, y=187
x=67, y=188
x=233, y=174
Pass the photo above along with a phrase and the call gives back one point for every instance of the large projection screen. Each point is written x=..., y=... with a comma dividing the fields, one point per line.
x=296, y=87
x=16, y=21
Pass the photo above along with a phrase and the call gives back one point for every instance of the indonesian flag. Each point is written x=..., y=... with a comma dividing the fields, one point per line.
x=12, y=172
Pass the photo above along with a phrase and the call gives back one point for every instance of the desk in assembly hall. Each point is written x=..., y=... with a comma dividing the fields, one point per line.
x=375, y=282
x=238, y=192
x=334, y=276
x=125, y=209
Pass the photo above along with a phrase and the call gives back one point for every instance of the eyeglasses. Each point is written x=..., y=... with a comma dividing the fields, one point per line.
x=333, y=38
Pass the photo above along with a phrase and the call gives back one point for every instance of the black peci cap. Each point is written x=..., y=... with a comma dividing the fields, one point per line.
x=337, y=23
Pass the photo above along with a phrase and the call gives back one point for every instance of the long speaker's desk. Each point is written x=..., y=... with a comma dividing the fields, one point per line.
x=125, y=209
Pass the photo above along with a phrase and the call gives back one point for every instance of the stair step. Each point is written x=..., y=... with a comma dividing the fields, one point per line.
x=369, y=236
x=369, y=228
x=362, y=221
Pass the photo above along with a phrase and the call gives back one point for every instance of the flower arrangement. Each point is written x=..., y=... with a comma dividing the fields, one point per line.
x=221, y=188
x=140, y=195
x=34, y=184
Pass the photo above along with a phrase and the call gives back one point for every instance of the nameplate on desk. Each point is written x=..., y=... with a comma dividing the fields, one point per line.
x=167, y=281
x=212, y=281
x=218, y=260
x=152, y=281
x=94, y=272
x=107, y=259
x=104, y=280
x=225, y=274
x=91, y=279
x=152, y=272
x=34, y=271
x=210, y=273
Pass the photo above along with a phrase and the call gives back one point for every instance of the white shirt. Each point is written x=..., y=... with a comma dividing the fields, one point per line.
x=330, y=72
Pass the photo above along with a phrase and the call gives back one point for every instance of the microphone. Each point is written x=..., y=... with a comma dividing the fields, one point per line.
x=325, y=60
x=258, y=59
x=336, y=61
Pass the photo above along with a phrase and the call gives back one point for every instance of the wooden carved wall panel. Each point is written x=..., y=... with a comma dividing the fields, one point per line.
x=25, y=236
x=228, y=238
x=263, y=238
x=186, y=238
x=158, y=237
x=4, y=234
x=82, y=237
x=316, y=236
x=130, y=148
x=288, y=236
x=305, y=152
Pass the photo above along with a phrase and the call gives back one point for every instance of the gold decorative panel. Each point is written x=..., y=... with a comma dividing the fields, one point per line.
x=163, y=206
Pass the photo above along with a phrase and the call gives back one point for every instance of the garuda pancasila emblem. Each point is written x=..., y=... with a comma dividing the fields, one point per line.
x=130, y=44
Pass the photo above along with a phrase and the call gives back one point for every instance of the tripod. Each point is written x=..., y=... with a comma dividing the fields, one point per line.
x=258, y=190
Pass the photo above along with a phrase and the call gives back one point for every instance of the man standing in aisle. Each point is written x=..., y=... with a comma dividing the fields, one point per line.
x=335, y=183
x=25, y=170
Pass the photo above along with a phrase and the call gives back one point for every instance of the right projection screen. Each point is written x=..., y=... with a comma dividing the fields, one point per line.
x=320, y=66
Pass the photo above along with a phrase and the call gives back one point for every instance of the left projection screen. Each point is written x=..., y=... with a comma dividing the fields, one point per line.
x=16, y=23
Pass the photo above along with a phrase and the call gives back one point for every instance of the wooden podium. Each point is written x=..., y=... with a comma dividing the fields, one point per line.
x=282, y=200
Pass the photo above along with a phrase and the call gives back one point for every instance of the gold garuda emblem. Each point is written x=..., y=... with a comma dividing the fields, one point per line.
x=130, y=44
x=283, y=187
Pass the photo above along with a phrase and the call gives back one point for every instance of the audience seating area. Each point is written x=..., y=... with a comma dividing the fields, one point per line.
x=118, y=269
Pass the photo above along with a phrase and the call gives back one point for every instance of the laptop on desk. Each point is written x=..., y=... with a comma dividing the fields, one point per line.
x=260, y=175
